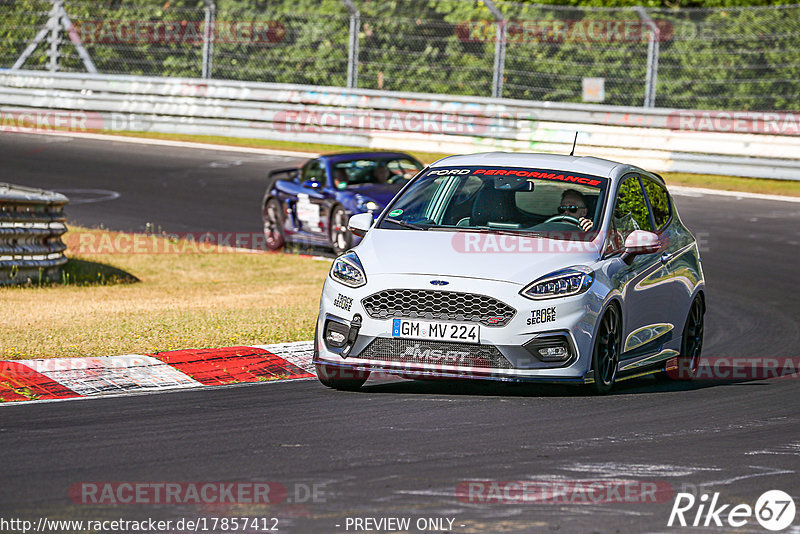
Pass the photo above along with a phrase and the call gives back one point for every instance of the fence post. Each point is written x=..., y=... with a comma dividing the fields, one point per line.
x=58, y=20
x=651, y=77
x=54, y=38
x=352, y=47
x=208, y=37
x=499, y=50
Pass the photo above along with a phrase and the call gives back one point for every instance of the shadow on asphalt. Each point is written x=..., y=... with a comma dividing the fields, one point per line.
x=637, y=386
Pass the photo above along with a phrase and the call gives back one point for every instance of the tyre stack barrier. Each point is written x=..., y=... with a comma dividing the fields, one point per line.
x=31, y=226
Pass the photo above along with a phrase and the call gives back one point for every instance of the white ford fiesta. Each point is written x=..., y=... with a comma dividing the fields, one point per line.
x=516, y=267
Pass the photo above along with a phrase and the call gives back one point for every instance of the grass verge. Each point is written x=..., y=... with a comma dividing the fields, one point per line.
x=143, y=303
x=709, y=181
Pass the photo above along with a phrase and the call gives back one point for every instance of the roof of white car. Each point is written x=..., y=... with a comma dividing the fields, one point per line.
x=585, y=165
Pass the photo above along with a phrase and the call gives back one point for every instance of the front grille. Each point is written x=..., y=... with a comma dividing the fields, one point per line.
x=442, y=305
x=434, y=352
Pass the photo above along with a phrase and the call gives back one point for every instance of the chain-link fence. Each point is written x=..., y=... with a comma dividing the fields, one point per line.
x=742, y=58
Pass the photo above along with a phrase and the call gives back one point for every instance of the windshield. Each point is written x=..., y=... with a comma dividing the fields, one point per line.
x=357, y=172
x=501, y=199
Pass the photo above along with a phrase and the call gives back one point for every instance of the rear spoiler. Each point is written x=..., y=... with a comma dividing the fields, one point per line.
x=290, y=173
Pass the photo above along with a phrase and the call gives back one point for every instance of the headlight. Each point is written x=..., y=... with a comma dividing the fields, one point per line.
x=564, y=283
x=347, y=270
x=365, y=204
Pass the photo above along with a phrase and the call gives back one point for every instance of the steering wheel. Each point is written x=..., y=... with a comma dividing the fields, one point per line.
x=564, y=218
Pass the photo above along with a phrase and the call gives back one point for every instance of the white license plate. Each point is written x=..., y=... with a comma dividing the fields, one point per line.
x=455, y=332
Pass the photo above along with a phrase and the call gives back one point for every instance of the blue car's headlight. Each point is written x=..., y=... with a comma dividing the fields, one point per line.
x=365, y=204
x=563, y=283
x=347, y=269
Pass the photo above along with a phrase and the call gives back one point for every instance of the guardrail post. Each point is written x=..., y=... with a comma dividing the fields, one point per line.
x=352, y=46
x=499, y=68
x=208, y=37
x=651, y=77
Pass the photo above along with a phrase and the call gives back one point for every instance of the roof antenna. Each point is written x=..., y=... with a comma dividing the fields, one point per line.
x=572, y=152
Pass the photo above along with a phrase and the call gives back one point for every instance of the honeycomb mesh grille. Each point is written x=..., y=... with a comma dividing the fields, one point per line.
x=434, y=352
x=442, y=305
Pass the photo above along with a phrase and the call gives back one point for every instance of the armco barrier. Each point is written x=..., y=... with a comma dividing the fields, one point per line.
x=765, y=145
x=31, y=226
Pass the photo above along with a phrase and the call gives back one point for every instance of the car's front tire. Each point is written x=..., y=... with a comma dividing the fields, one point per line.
x=340, y=378
x=605, y=355
x=340, y=236
x=691, y=343
x=273, y=225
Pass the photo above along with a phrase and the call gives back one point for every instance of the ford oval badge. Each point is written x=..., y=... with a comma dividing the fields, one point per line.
x=439, y=282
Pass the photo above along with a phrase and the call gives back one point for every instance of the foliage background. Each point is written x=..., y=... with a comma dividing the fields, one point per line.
x=716, y=54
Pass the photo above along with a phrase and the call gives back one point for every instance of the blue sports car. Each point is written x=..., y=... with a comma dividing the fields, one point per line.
x=311, y=205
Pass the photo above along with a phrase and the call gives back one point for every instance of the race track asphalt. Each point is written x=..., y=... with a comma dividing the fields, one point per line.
x=402, y=448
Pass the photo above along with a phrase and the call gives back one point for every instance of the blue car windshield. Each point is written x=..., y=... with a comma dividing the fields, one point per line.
x=357, y=172
x=544, y=202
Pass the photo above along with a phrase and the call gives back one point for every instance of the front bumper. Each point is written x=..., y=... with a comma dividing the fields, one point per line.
x=505, y=353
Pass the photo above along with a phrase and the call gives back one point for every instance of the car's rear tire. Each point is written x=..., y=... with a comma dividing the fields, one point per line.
x=605, y=354
x=341, y=238
x=273, y=225
x=691, y=343
x=340, y=378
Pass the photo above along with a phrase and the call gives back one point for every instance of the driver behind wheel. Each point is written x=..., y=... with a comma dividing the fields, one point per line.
x=381, y=175
x=573, y=204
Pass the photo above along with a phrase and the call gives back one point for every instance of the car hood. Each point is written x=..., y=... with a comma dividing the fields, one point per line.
x=380, y=193
x=490, y=256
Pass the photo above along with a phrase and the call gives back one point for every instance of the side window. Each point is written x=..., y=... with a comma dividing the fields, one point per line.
x=630, y=213
x=659, y=202
x=313, y=170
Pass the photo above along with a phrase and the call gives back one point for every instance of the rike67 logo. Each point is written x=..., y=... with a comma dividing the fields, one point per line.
x=774, y=510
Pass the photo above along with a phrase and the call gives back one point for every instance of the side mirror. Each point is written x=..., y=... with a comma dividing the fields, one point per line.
x=312, y=184
x=640, y=242
x=360, y=224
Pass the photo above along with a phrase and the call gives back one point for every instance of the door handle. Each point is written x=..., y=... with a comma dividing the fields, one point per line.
x=665, y=257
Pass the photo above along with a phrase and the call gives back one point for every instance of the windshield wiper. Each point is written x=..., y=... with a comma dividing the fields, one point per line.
x=405, y=224
x=498, y=231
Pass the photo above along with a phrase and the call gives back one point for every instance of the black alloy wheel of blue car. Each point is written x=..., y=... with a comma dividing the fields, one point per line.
x=605, y=356
x=341, y=238
x=273, y=225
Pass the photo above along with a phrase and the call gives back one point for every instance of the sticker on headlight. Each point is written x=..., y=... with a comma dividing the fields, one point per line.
x=545, y=315
x=436, y=331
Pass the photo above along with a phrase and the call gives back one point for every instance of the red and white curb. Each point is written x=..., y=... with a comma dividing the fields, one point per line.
x=65, y=378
